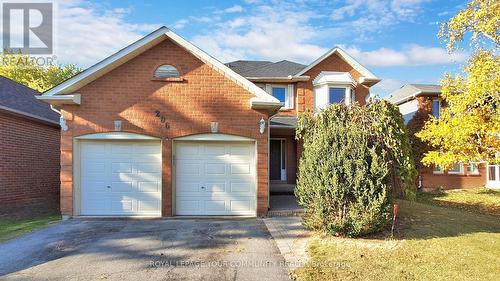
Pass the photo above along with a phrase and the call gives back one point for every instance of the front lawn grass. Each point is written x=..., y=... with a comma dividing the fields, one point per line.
x=479, y=200
x=431, y=243
x=11, y=228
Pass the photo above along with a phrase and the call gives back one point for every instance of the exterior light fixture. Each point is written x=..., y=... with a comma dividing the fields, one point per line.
x=262, y=125
x=214, y=127
x=118, y=125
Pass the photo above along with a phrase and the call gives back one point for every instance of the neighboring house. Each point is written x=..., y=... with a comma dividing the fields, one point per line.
x=161, y=128
x=417, y=102
x=29, y=152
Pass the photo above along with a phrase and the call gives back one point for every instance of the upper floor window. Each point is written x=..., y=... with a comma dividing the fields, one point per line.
x=166, y=71
x=336, y=95
x=436, y=107
x=279, y=93
x=284, y=93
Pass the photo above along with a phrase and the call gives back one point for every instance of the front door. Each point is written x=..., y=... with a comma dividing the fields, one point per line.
x=277, y=160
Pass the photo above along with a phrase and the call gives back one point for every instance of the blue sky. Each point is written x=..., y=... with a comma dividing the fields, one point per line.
x=395, y=39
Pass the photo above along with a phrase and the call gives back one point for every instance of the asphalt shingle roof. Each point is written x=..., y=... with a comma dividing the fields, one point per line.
x=21, y=98
x=409, y=90
x=265, y=69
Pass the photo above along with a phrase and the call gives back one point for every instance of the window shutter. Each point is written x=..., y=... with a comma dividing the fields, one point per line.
x=289, y=97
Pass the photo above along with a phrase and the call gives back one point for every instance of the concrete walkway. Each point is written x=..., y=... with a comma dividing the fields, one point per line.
x=291, y=238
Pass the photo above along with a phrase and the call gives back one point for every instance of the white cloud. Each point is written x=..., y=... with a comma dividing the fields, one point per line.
x=410, y=55
x=265, y=34
x=180, y=24
x=87, y=34
x=385, y=87
x=234, y=9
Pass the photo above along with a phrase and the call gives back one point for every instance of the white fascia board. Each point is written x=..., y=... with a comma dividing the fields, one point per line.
x=117, y=136
x=213, y=137
x=28, y=115
x=60, y=99
x=257, y=103
x=347, y=58
x=279, y=79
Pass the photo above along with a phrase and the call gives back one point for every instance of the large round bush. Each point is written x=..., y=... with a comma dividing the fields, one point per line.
x=355, y=160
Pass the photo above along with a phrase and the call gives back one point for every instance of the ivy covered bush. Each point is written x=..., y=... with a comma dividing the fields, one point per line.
x=355, y=160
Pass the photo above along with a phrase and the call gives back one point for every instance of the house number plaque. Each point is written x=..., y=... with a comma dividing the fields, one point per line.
x=162, y=119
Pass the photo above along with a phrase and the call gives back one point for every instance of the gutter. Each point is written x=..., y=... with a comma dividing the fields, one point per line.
x=29, y=116
x=288, y=78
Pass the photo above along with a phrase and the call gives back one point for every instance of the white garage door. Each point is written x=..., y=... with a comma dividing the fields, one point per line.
x=215, y=178
x=120, y=178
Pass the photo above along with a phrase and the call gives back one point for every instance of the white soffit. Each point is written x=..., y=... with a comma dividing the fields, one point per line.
x=331, y=77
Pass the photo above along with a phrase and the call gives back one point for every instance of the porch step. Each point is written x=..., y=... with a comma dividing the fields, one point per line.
x=285, y=213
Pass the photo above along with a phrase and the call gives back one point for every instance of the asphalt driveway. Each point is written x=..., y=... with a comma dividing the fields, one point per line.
x=173, y=249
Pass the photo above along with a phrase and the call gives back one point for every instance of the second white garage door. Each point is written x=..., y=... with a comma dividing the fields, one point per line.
x=215, y=178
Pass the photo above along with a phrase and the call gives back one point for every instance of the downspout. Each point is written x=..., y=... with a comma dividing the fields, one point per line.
x=62, y=121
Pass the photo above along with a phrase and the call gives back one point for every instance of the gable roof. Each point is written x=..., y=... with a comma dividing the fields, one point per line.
x=261, y=99
x=410, y=91
x=242, y=66
x=263, y=69
x=367, y=77
x=19, y=99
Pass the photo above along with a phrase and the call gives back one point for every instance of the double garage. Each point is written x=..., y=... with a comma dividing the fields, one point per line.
x=122, y=175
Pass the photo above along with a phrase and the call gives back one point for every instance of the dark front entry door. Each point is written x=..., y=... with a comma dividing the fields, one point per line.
x=275, y=160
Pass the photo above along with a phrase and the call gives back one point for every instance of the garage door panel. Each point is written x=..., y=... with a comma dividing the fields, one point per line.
x=148, y=186
x=215, y=178
x=215, y=168
x=188, y=187
x=120, y=186
x=215, y=205
x=215, y=187
x=240, y=169
x=130, y=169
x=214, y=150
x=121, y=167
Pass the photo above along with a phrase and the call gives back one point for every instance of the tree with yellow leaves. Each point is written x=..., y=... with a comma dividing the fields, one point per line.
x=468, y=128
x=25, y=70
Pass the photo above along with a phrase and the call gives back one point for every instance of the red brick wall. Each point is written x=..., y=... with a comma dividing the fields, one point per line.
x=128, y=93
x=29, y=166
x=453, y=181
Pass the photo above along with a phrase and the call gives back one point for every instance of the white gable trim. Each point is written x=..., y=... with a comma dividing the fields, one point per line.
x=366, y=74
x=147, y=42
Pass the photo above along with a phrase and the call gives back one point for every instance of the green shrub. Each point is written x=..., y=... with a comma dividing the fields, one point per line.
x=355, y=159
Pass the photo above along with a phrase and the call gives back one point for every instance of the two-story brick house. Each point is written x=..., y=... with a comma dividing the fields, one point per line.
x=417, y=102
x=161, y=128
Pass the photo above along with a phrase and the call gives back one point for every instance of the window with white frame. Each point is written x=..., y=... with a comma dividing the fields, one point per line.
x=336, y=95
x=284, y=93
x=457, y=168
x=436, y=107
x=437, y=170
x=473, y=168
